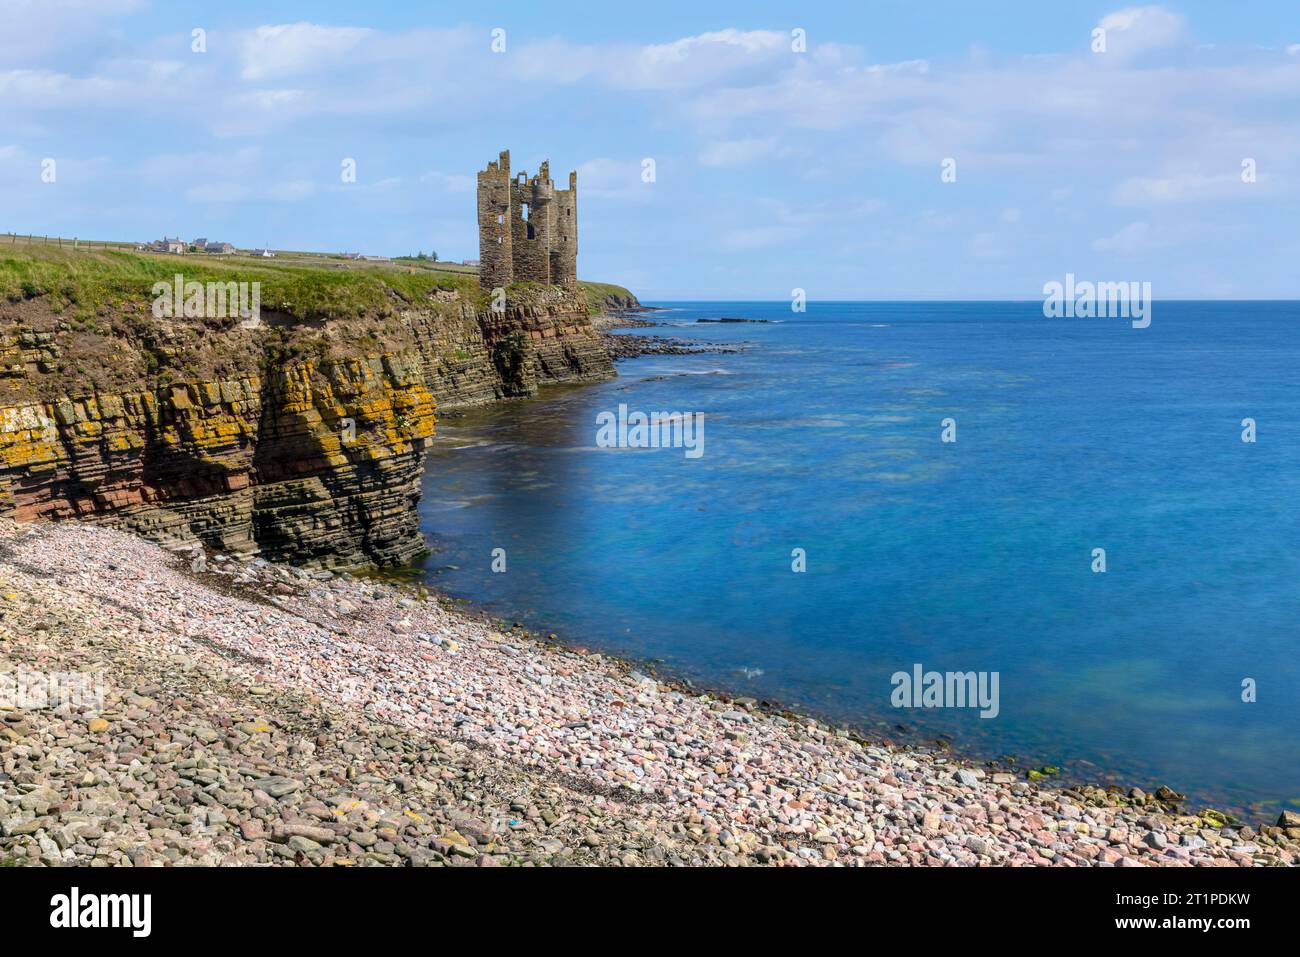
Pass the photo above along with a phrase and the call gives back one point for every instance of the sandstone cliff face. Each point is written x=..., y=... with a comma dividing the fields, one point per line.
x=243, y=465
x=301, y=441
x=543, y=335
x=474, y=355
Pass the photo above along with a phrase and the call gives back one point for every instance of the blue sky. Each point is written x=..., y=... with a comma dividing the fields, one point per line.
x=774, y=168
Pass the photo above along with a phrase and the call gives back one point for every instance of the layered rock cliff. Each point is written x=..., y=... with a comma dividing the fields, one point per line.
x=474, y=354
x=298, y=435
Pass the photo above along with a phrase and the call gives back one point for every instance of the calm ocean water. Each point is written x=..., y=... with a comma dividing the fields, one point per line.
x=824, y=435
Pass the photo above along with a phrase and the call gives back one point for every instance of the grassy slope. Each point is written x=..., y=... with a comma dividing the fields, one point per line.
x=601, y=295
x=81, y=283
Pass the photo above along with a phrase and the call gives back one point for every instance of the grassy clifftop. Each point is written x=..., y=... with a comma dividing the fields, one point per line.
x=604, y=296
x=77, y=321
x=82, y=285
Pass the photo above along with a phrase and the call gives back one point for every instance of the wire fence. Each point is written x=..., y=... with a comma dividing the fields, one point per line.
x=331, y=259
x=62, y=242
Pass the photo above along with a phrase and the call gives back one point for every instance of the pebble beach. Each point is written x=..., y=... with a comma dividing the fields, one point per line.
x=256, y=714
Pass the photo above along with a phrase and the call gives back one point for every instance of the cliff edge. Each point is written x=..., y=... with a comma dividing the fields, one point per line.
x=292, y=427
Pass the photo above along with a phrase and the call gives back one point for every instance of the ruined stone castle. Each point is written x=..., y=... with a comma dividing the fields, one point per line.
x=527, y=229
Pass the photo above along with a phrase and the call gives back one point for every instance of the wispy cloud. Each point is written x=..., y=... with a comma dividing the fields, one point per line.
x=765, y=156
x=273, y=52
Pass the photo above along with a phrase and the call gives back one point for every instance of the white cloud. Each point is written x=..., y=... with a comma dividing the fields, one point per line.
x=1133, y=238
x=450, y=182
x=1135, y=31
x=1043, y=142
x=269, y=100
x=294, y=48
x=29, y=84
x=706, y=58
x=719, y=57
x=36, y=30
x=611, y=179
x=737, y=152
x=1188, y=187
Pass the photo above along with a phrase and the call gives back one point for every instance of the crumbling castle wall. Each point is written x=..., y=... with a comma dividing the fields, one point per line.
x=528, y=230
x=496, y=258
x=564, y=235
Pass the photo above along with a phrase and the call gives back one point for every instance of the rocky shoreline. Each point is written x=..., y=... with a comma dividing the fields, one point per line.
x=630, y=346
x=256, y=713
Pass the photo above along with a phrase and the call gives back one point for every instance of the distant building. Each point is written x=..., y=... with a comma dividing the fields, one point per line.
x=470, y=262
x=178, y=246
x=164, y=245
x=264, y=253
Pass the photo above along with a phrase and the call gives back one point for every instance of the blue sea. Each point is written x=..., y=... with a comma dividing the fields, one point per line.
x=825, y=434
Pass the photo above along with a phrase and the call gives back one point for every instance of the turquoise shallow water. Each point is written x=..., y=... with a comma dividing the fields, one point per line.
x=824, y=434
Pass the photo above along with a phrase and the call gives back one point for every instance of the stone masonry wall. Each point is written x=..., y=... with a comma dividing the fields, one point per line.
x=496, y=257
x=529, y=234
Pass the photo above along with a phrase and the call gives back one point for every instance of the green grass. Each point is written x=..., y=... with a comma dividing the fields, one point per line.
x=599, y=293
x=80, y=282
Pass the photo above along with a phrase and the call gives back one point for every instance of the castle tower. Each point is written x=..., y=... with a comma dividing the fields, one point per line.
x=532, y=202
x=496, y=258
x=528, y=230
x=564, y=235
